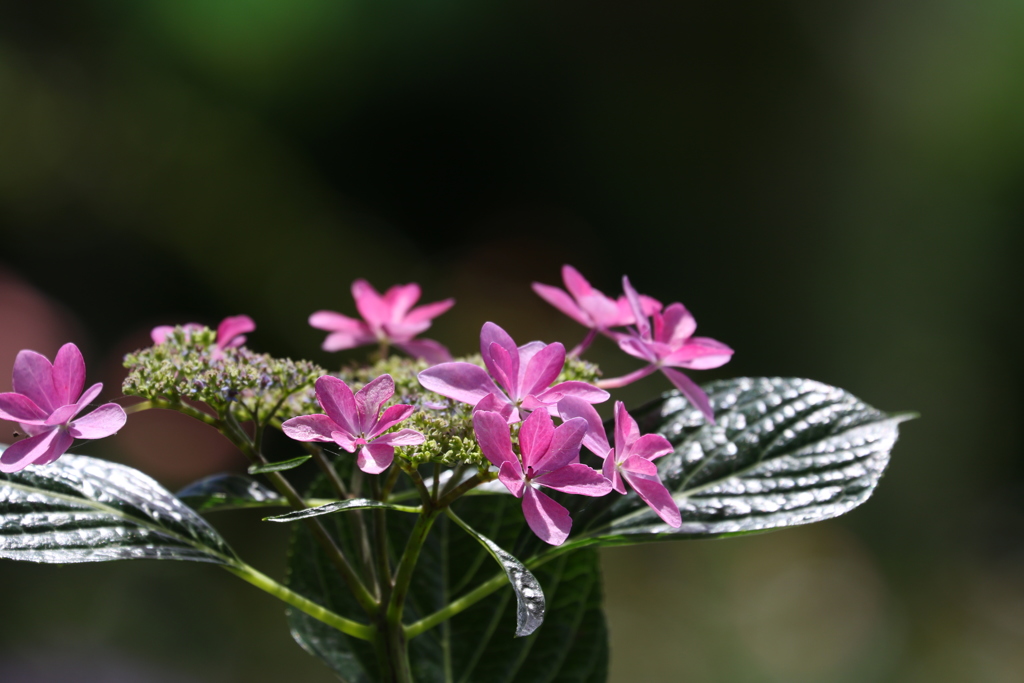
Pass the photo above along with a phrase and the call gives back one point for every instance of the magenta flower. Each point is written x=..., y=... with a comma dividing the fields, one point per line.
x=550, y=457
x=354, y=421
x=525, y=374
x=46, y=402
x=589, y=307
x=230, y=333
x=631, y=459
x=386, y=320
x=670, y=344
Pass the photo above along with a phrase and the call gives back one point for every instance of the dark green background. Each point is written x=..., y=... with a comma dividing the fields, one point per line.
x=834, y=189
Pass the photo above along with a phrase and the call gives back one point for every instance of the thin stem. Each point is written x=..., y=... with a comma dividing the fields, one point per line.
x=383, y=562
x=265, y=583
x=406, y=565
x=390, y=483
x=174, y=405
x=437, y=481
x=585, y=344
x=355, y=521
x=417, y=479
x=617, y=382
x=470, y=483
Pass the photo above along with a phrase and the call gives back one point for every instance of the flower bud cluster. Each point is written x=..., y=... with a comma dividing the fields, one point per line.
x=185, y=367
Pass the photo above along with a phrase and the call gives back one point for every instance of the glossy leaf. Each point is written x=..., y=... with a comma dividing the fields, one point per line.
x=339, y=506
x=228, y=492
x=782, y=452
x=280, y=466
x=81, y=509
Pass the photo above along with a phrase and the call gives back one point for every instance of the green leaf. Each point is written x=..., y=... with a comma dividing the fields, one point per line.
x=279, y=466
x=477, y=644
x=228, y=492
x=340, y=506
x=782, y=452
x=81, y=509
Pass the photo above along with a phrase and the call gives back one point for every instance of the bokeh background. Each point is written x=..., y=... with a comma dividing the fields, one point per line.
x=835, y=189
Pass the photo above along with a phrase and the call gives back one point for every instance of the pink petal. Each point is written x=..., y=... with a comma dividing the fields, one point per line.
x=492, y=433
x=626, y=430
x=694, y=394
x=504, y=369
x=102, y=422
x=402, y=331
x=20, y=408
x=578, y=479
x=575, y=283
x=492, y=334
x=582, y=390
x=310, y=428
x=33, y=377
x=371, y=305
x=41, y=449
x=543, y=369
x=368, y=401
x=68, y=374
x=700, y=353
x=403, y=437
x=642, y=476
x=677, y=325
x=428, y=311
x=498, y=403
x=339, y=341
x=460, y=381
x=638, y=348
x=347, y=441
x=618, y=382
x=565, y=444
x=62, y=415
x=159, y=333
x=89, y=395
x=595, y=439
x=610, y=470
x=535, y=437
x=399, y=299
x=232, y=327
x=562, y=301
x=338, y=402
x=375, y=457
x=642, y=324
x=512, y=477
x=392, y=416
x=602, y=310
x=649, y=447
x=429, y=350
x=336, y=322
x=549, y=520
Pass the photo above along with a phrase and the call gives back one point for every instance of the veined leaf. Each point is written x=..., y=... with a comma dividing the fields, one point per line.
x=227, y=492
x=782, y=452
x=82, y=509
x=280, y=466
x=339, y=506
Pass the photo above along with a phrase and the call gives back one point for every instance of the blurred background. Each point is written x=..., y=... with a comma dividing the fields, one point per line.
x=834, y=189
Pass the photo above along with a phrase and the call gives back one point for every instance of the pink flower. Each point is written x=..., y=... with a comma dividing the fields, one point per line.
x=525, y=373
x=386, y=319
x=230, y=333
x=589, y=307
x=354, y=421
x=631, y=459
x=46, y=402
x=670, y=344
x=550, y=457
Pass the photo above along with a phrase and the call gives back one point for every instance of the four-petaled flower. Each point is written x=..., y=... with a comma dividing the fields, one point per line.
x=550, y=457
x=387, y=320
x=353, y=421
x=631, y=459
x=591, y=308
x=670, y=344
x=46, y=402
x=230, y=333
x=525, y=372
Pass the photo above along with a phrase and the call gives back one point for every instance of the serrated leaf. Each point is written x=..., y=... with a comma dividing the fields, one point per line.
x=82, y=509
x=227, y=492
x=339, y=506
x=530, y=605
x=477, y=644
x=279, y=466
x=782, y=452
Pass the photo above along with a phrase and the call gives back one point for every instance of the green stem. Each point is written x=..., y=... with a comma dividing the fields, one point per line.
x=265, y=583
x=462, y=488
x=355, y=521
